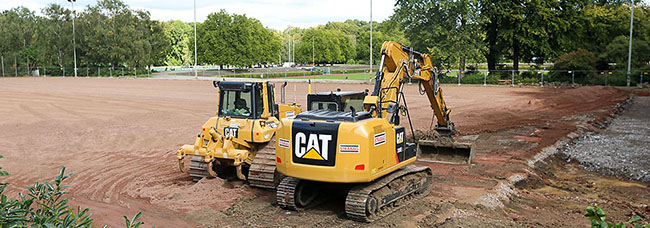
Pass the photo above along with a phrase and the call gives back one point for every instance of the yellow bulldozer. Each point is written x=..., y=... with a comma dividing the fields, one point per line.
x=240, y=136
x=363, y=149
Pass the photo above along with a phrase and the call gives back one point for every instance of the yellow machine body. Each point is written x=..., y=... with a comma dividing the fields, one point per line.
x=341, y=152
x=232, y=139
x=359, y=147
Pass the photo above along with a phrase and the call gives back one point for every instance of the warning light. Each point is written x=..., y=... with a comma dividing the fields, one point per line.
x=360, y=167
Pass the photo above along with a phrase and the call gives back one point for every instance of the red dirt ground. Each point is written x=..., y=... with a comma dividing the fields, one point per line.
x=119, y=137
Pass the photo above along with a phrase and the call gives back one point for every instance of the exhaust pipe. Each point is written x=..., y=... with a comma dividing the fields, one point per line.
x=282, y=91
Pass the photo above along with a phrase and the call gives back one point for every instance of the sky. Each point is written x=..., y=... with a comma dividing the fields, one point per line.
x=275, y=14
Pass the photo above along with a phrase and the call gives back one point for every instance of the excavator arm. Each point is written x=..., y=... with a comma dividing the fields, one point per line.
x=399, y=63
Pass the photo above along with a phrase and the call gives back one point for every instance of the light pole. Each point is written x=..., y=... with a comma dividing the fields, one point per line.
x=196, y=76
x=370, y=78
x=629, y=52
x=312, y=50
x=74, y=42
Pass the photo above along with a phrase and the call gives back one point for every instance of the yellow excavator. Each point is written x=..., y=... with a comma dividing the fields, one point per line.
x=240, y=136
x=366, y=151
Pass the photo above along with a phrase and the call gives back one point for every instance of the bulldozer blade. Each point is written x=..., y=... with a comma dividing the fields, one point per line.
x=445, y=151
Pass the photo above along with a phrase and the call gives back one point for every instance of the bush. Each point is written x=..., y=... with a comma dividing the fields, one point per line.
x=475, y=77
x=271, y=75
x=350, y=71
x=582, y=62
x=447, y=79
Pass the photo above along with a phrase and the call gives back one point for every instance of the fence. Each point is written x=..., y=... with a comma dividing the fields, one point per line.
x=544, y=77
x=485, y=77
x=81, y=72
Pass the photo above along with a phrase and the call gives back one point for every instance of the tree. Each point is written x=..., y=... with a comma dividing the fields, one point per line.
x=363, y=46
x=56, y=34
x=178, y=34
x=527, y=30
x=581, y=61
x=392, y=30
x=330, y=46
x=449, y=30
x=19, y=35
x=617, y=52
x=235, y=40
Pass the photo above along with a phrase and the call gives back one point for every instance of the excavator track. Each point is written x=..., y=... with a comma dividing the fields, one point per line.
x=295, y=194
x=262, y=172
x=285, y=193
x=374, y=200
x=199, y=168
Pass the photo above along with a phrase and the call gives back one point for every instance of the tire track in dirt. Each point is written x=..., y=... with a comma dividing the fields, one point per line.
x=120, y=136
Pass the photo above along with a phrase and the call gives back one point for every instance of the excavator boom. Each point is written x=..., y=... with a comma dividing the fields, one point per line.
x=397, y=64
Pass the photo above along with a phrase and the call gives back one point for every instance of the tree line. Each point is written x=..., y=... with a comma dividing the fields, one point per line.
x=454, y=32
x=237, y=40
x=534, y=31
x=110, y=34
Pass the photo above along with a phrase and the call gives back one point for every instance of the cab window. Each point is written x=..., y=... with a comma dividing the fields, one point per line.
x=235, y=103
x=271, y=93
x=322, y=105
x=356, y=102
x=259, y=102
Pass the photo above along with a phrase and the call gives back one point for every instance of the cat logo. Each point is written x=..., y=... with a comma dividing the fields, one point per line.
x=314, y=143
x=312, y=146
x=401, y=153
x=399, y=137
x=230, y=131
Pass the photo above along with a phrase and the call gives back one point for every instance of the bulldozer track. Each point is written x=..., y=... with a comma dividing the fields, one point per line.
x=262, y=172
x=369, y=202
x=198, y=168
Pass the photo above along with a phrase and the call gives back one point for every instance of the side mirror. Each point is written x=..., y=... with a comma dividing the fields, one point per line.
x=215, y=84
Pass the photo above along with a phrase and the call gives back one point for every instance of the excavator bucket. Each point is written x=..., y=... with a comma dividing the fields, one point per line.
x=445, y=151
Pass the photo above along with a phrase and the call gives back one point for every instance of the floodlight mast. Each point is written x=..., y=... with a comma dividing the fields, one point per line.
x=74, y=42
x=629, y=53
x=196, y=75
x=370, y=78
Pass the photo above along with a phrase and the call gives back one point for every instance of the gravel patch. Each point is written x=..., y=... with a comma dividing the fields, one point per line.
x=623, y=148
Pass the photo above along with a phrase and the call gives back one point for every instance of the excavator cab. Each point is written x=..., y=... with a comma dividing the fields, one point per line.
x=336, y=100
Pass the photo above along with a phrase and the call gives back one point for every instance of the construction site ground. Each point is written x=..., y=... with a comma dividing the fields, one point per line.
x=119, y=137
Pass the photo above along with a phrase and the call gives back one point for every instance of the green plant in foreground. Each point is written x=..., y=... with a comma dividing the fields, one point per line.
x=598, y=217
x=133, y=222
x=45, y=207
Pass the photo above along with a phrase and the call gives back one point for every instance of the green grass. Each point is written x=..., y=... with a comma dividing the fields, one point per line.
x=359, y=76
